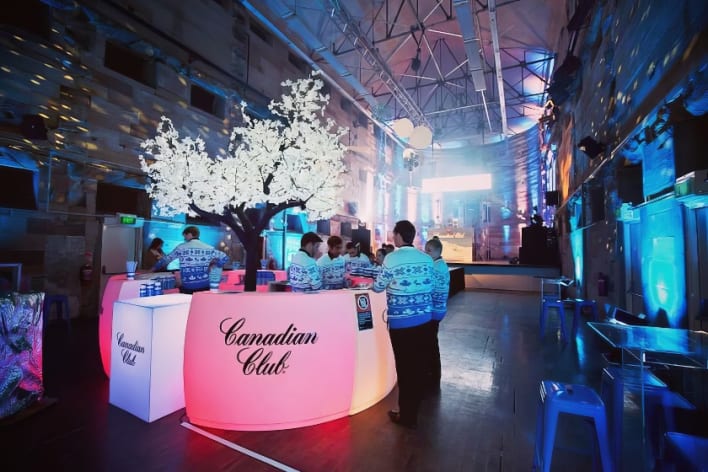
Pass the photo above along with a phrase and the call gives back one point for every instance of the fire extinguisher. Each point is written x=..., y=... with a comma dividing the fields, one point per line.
x=86, y=271
x=602, y=284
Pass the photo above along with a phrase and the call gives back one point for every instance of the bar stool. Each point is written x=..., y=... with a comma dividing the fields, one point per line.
x=656, y=395
x=687, y=452
x=552, y=303
x=578, y=310
x=556, y=398
x=61, y=303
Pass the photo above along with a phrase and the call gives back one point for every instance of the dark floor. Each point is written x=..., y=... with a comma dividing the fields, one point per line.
x=483, y=420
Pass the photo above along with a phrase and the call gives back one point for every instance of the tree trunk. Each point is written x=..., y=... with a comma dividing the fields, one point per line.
x=253, y=262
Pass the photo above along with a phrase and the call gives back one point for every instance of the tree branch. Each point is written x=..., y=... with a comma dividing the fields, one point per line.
x=210, y=217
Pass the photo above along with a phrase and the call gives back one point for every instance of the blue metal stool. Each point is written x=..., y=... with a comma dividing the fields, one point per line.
x=656, y=396
x=61, y=303
x=578, y=310
x=686, y=452
x=556, y=398
x=551, y=303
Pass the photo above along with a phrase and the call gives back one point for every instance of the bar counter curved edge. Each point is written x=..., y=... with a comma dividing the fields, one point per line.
x=118, y=287
x=272, y=361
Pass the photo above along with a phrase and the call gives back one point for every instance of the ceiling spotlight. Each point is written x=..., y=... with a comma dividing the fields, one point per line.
x=591, y=147
x=415, y=62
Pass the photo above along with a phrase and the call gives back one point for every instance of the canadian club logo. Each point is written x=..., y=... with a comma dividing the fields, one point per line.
x=128, y=350
x=253, y=351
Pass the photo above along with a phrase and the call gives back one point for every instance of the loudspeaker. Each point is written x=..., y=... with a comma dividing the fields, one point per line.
x=32, y=127
x=629, y=184
x=346, y=229
x=597, y=203
x=690, y=141
x=591, y=147
x=323, y=227
x=552, y=198
x=363, y=237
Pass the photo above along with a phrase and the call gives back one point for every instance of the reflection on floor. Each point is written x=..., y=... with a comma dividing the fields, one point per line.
x=483, y=419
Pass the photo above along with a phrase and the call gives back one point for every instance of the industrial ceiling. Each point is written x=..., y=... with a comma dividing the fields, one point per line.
x=472, y=71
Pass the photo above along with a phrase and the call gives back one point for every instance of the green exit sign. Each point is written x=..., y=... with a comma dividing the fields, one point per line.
x=128, y=220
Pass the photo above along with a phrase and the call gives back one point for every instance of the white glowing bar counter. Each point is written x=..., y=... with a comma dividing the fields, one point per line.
x=271, y=361
x=147, y=349
x=119, y=287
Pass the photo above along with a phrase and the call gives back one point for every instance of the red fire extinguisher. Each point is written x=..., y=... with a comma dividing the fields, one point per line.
x=86, y=271
x=602, y=284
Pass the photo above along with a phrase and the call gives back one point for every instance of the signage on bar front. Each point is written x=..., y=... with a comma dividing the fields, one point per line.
x=363, y=311
x=128, y=350
x=254, y=354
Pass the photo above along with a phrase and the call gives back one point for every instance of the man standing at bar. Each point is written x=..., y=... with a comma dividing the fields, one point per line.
x=331, y=264
x=304, y=274
x=195, y=259
x=407, y=276
x=441, y=289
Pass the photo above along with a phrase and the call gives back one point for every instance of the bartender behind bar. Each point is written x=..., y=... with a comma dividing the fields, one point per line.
x=195, y=258
x=304, y=273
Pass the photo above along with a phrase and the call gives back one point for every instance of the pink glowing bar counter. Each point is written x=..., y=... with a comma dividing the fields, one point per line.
x=119, y=287
x=271, y=361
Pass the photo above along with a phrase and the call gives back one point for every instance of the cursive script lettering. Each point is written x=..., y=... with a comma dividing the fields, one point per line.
x=259, y=363
x=133, y=347
x=128, y=351
x=254, y=358
x=290, y=336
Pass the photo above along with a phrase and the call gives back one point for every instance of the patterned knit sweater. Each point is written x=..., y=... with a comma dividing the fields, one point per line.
x=194, y=259
x=355, y=265
x=441, y=289
x=304, y=273
x=332, y=271
x=407, y=276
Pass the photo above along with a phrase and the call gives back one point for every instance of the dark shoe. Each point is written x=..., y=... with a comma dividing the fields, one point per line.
x=395, y=417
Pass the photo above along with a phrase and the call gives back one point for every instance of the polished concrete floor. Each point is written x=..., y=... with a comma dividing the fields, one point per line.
x=483, y=419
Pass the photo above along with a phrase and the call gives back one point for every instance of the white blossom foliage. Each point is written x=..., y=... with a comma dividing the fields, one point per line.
x=295, y=157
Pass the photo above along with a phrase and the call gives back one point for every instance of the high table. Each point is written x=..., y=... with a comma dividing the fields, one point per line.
x=271, y=361
x=559, y=282
x=653, y=345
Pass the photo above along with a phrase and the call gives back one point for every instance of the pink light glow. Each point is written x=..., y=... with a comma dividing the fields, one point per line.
x=120, y=288
x=338, y=371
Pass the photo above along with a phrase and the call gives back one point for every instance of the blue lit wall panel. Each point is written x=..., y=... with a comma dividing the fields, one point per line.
x=658, y=171
x=663, y=269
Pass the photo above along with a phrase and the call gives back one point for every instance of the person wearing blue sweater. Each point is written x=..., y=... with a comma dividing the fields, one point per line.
x=355, y=263
x=304, y=274
x=331, y=264
x=407, y=276
x=441, y=289
x=195, y=259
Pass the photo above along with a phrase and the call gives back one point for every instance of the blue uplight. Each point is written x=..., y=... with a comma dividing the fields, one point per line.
x=663, y=270
x=576, y=246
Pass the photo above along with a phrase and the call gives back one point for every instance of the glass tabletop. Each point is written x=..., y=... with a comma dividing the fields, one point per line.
x=651, y=344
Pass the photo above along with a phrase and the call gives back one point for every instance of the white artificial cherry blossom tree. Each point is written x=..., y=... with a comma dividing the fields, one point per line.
x=294, y=159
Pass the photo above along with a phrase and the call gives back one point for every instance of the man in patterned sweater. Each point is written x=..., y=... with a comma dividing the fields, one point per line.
x=355, y=262
x=304, y=272
x=195, y=259
x=332, y=264
x=407, y=276
x=441, y=289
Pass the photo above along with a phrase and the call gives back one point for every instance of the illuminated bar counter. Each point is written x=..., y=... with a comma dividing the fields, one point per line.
x=119, y=287
x=271, y=361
